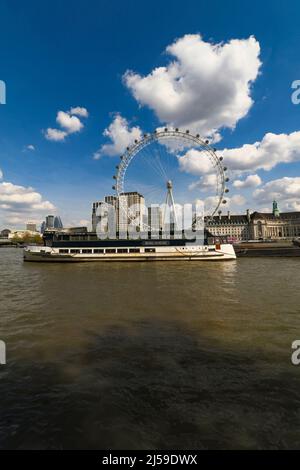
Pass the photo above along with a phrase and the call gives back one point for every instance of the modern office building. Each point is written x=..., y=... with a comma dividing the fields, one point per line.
x=31, y=227
x=129, y=206
x=154, y=218
x=51, y=223
x=101, y=213
x=58, y=223
x=96, y=211
x=43, y=227
x=112, y=200
x=131, y=211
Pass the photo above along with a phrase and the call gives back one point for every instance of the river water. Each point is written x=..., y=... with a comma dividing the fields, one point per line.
x=149, y=355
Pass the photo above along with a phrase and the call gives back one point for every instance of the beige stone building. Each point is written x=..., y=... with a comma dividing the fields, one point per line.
x=271, y=227
x=256, y=226
x=235, y=227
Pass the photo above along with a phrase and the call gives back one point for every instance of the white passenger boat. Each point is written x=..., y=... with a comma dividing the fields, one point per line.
x=71, y=248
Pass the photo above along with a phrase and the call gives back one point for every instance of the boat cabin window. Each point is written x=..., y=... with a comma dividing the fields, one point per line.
x=64, y=251
x=87, y=251
x=122, y=250
x=75, y=251
x=110, y=250
x=134, y=250
x=150, y=250
x=98, y=251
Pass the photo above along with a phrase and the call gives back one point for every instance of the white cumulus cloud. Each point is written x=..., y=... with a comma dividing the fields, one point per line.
x=195, y=162
x=237, y=200
x=30, y=147
x=285, y=190
x=236, y=204
x=120, y=135
x=79, y=111
x=14, y=197
x=55, y=134
x=250, y=182
x=205, y=87
x=264, y=155
x=69, y=123
x=18, y=204
x=206, y=182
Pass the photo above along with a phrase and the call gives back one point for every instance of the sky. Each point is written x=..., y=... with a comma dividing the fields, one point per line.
x=84, y=79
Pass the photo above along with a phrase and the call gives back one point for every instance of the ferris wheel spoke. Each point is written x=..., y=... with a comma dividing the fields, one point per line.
x=160, y=164
x=169, y=162
x=150, y=161
x=155, y=159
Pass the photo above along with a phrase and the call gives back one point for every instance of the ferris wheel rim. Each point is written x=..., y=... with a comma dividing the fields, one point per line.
x=167, y=133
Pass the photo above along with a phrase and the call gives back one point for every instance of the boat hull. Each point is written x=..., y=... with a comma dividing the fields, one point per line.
x=192, y=253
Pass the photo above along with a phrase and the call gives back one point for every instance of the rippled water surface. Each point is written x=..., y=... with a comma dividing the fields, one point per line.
x=149, y=355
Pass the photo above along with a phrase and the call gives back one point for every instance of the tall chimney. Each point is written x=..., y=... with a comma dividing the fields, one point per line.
x=228, y=215
x=248, y=215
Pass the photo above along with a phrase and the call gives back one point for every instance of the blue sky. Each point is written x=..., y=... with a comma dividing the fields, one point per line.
x=55, y=56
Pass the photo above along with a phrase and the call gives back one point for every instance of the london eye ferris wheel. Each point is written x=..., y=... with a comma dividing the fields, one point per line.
x=172, y=166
